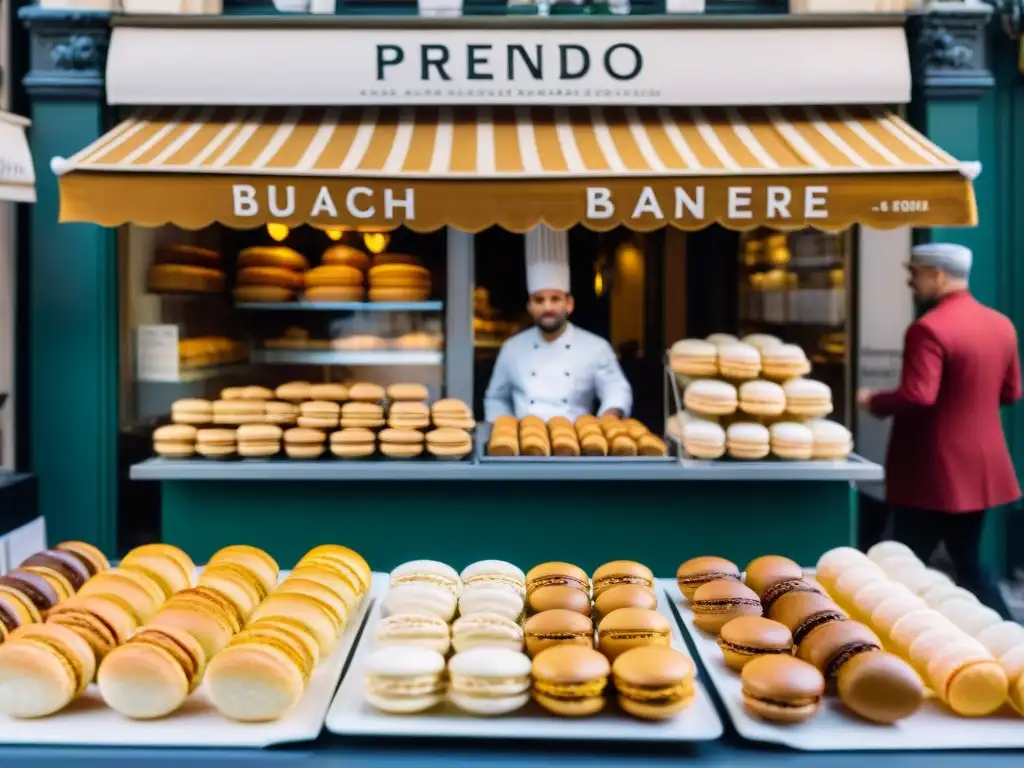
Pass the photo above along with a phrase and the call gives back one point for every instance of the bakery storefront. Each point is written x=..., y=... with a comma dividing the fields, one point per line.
x=349, y=215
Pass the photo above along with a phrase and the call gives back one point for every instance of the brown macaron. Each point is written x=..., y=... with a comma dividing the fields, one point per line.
x=880, y=687
x=34, y=589
x=777, y=590
x=831, y=645
x=654, y=683
x=64, y=563
x=803, y=612
x=557, y=574
x=629, y=628
x=768, y=570
x=559, y=596
x=621, y=572
x=747, y=637
x=91, y=557
x=570, y=680
x=718, y=602
x=556, y=627
x=782, y=689
x=13, y=613
x=698, y=571
x=625, y=596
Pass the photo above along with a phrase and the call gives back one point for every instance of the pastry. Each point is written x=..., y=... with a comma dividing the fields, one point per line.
x=334, y=293
x=262, y=294
x=258, y=562
x=1012, y=663
x=781, y=688
x=594, y=445
x=835, y=561
x=361, y=415
x=747, y=440
x=491, y=597
x=366, y=392
x=1000, y=638
x=319, y=414
x=405, y=680
x=36, y=592
x=205, y=614
x=258, y=440
x=239, y=411
x=761, y=340
x=346, y=561
x=334, y=605
x=703, y=439
x=192, y=411
x=353, y=443
x=14, y=612
x=395, y=258
x=891, y=610
x=766, y=571
x=567, y=444
x=281, y=413
x=182, y=253
x=491, y=630
x=808, y=398
x=557, y=574
x=135, y=588
x=235, y=582
x=334, y=393
x=294, y=391
x=167, y=572
x=416, y=392
x=803, y=612
x=618, y=572
x=969, y=681
x=56, y=562
x=852, y=580
x=931, y=642
x=628, y=628
x=184, y=278
x=175, y=441
x=418, y=340
x=104, y=621
x=833, y=644
x=570, y=680
x=272, y=276
x=427, y=572
x=772, y=594
x=832, y=441
x=716, y=603
x=489, y=680
x=257, y=678
x=91, y=557
x=880, y=687
x=334, y=276
x=421, y=597
x=152, y=674
x=650, y=445
x=272, y=256
x=309, y=612
x=254, y=392
x=304, y=443
x=937, y=595
x=401, y=443
x=747, y=637
x=721, y=339
x=654, y=683
x=409, y=415
x=912, y=625
x=625, y=596
x=560, y=596
x=711, y=397
x=782, y=362
x=496, y=573
x=449, y=443
x=345, y=255
x=693, y=357
x=623, y=445
x=698, y=571
x=555, y=627
x=790, y=440
x=973, y=618
x=739, y=361
x=42, y=669
x=414, y=629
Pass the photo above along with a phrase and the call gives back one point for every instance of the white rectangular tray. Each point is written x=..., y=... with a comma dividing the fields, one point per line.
x=88, y=721
x=834, y=729
x=350, y=715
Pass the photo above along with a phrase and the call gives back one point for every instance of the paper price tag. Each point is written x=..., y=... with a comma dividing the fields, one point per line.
x=156, y=353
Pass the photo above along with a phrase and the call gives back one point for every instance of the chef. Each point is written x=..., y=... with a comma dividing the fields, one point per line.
x=554, y=368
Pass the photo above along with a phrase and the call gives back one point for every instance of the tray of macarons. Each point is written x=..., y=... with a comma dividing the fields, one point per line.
x=155, y=652
x=871, y=652
x=448, y=654
x=590, y=438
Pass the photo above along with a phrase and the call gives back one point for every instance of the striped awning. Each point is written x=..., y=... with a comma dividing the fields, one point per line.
x=471, y=168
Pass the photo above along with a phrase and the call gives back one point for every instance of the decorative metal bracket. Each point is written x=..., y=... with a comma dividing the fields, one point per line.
x=950, y=46
x=68, y=54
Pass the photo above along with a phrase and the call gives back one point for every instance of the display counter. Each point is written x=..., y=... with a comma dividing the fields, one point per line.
x=525, y=512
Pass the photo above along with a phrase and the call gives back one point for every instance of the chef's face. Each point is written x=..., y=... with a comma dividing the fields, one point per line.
x=550, y=310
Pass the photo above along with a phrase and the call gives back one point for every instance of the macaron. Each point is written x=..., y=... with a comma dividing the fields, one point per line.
x=169, y=551
x=1012, y=663
x=802, y=612
x=721, y=339
x=152, y=674
x=698, y=571
x=216, y=443
x=912, y=625
x=975, y=619
x=703, y=439
x=294, y=391
x=259, y=440
x=353, y=443
x=559, y=596
x=768, y=570
x=175, y=441
x=255, y=679
x=490, y=630
x=557, y=627
x=761, y=340
x=808, y=398
x=570, y=680
x=772, y=594
x=495, y=573
x=168, y=572
x=831, y=645
x=970, y=682
x=739, y=361
x=625, y=596
x=328, y=392
x=619, y=572
x=791, y=441
x=654, y=683
x=747, y=637
x=718, y=602
x=331, y=577
x=206, y=615
x=489, y=680
x=557, y=574
x=427, y=572
x=304, y=443
x=255, y=560
x=235, y=582
x=781, y=362
x=832, y=441
x=421, y=597
x=694, y=357
x=43, y=667
x=628, y=628
x=449, y=442
x=747, y=440
x=307, y=611
x=419, y=630
x=781, y=688
x=13, y=613
x=762, y=398
x=835, y=561
x=138, y=590
x=298, y=641
x=189, y=412
x=931, y=642
x=481, y=596
x=103, y=621
x=711, y=397
x=404, y=679
x=345, y=559
x=880, y=687
x=33, y=590
x=888, y=612
x=90, y=556
x=327, y=600
x=1000, y=638
x=889, y=548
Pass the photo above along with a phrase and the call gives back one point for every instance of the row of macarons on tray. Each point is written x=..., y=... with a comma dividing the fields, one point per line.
x=754, y=356
x=589, y=435
x=149, y=633
x=521, y=636
x=881, y=630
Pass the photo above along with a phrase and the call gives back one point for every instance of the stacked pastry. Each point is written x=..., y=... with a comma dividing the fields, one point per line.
x=185, y=269
x=590, y=436
x=269, y=274
x=392, y=280
x=972, y=659
x=334, y=282
x=45, y=668
x=205, y=351
x=724, y=355
x=263, y=671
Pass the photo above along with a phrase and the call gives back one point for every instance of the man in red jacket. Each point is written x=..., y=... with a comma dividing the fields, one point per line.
x=947, y=462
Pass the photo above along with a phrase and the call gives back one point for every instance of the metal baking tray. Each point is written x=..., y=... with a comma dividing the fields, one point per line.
x=483, y=437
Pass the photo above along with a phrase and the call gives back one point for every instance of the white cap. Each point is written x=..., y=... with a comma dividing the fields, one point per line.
x=949, y=257
x=547, y=260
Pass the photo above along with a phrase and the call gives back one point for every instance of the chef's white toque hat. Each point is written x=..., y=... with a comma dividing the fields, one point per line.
x=547, y=260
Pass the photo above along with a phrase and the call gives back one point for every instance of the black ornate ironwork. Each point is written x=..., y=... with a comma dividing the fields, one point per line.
x=68, y=53
x=79, y=52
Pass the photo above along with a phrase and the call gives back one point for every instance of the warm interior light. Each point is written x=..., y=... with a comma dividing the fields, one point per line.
x=334, y=234
x=279, y=232
x=376, y=242
x=598, y=283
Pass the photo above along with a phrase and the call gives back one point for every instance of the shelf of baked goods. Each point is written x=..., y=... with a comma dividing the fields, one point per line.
x=343, y=306
x=346, y=357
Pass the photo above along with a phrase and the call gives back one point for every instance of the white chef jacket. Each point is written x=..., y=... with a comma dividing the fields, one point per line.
x=559, y=378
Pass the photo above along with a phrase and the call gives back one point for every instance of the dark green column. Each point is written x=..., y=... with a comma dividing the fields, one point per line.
x=72, y=290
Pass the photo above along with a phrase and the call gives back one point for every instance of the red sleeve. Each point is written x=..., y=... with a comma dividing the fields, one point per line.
x=1011, y=391
x=921, y=378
